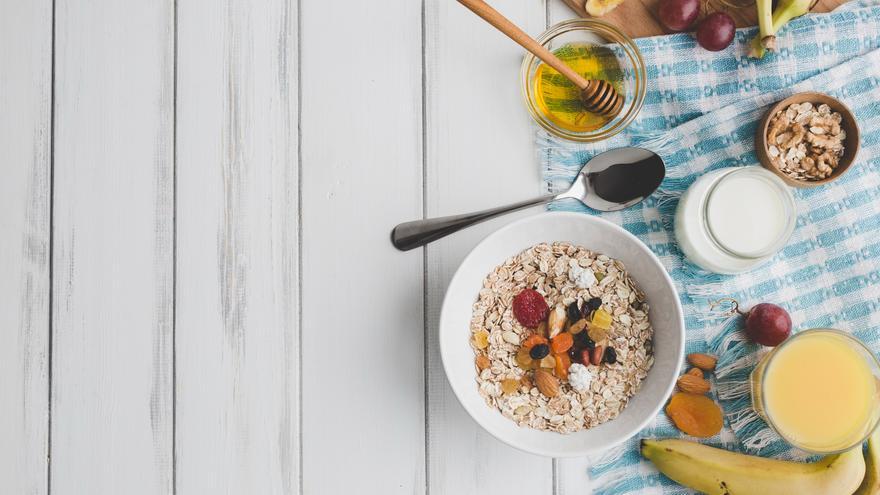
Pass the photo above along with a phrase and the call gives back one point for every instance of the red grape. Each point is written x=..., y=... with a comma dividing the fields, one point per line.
x=716, y=31
x=768, y=324
x=678, y=15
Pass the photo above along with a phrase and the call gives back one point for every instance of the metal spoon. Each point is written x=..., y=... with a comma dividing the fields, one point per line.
x=610, y=181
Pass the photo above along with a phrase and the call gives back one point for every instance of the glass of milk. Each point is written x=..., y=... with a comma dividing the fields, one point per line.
x=733, y=219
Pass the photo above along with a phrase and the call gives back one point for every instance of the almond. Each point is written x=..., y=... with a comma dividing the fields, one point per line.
x=556, y=320
x=692, y=384
x=546, y=383
x=696, y=372
x=597, y=355
x=542, y=329
x=703, y=361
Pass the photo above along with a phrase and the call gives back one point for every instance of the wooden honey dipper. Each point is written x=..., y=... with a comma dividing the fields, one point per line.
x=598, y=96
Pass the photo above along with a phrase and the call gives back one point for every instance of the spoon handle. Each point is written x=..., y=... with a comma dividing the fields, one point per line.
x=411, y=235
x=513, y=31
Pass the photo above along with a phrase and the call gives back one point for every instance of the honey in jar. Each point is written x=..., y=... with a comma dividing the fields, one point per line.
x=559, y=99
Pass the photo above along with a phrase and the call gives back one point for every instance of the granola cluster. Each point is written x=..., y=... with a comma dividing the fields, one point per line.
x=568, y=276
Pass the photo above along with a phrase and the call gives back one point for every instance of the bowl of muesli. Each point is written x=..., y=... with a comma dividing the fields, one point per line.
x=562, y=334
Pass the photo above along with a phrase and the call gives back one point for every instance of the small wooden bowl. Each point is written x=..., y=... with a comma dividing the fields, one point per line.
x=848, y=124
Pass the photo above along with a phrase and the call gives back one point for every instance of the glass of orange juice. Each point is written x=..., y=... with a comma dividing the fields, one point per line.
x=820, y=390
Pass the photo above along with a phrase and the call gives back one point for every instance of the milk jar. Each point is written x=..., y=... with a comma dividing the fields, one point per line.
x=733, y=219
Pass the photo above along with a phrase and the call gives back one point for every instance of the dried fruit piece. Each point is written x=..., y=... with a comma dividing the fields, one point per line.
x=524, y=360
x=533, y=340
x=597, y=334
x=696, y=372
x=692, y=384
x=539, y=351
x=547, y=384
x=578, y=326
x=574, y=313
x=556, y=320
x=530, y=308
x=482, y=362
x=610, y=355
x=597, y=355
x=582, y=340
x=561, y=343
x=695, y=414
x=548, y=362
x=703, y=361
x=509, y=385
x=562, y=364
x=481, y=339
x=526, y=381
x=601, y=319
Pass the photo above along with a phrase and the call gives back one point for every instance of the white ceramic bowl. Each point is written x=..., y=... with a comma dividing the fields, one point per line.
x=595, y=234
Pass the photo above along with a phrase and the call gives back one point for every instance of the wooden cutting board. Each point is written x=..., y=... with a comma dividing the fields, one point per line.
x=637, y=19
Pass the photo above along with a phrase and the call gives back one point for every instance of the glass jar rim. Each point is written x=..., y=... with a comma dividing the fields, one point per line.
x=788, y=203
x=870, y=357
x=611, y=34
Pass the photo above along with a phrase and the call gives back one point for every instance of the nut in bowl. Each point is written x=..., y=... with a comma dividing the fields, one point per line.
x=808, y=139
x=562, y=372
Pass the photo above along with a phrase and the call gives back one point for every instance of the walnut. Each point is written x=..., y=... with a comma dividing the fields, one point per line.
x=806, y=141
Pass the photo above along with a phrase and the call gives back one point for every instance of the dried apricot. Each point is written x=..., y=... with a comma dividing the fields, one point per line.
x=533, y=340
x=694, y=414
x=482, y=362
x=561, y=343
x=481, y=339
x=563, y=362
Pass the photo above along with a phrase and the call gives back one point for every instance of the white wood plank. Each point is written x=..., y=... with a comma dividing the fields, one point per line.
x=112, y=367
x=25, y=133
x=237, y=300
x=570, y=475
x=480, y=153
x=363, y=387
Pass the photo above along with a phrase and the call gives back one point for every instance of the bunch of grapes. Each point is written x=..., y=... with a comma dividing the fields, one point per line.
x=715, y=32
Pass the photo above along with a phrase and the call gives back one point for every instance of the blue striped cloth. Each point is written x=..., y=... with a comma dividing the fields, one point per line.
x=700, y=114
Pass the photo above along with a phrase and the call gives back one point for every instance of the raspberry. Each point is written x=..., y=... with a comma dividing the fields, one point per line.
x=529, y=308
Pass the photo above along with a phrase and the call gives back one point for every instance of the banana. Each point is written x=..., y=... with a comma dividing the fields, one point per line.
x=871, y=484
x=785, y=11
x=598, y=8
x=720, y=472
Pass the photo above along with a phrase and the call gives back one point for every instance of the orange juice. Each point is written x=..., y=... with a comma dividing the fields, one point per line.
x=818, y=390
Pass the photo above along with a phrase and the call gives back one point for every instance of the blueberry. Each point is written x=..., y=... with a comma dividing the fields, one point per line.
x=610, y=355
x=574, y=314
x=539, y=351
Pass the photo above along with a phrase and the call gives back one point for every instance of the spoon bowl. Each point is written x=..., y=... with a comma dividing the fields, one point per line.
x=610, y=181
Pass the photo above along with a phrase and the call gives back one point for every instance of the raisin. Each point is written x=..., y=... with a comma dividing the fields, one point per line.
x=610, y=355
x=574, y=313
x=539, y=351
x=582, y=340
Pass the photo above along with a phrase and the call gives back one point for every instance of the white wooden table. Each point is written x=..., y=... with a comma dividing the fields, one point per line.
x=197, y=290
